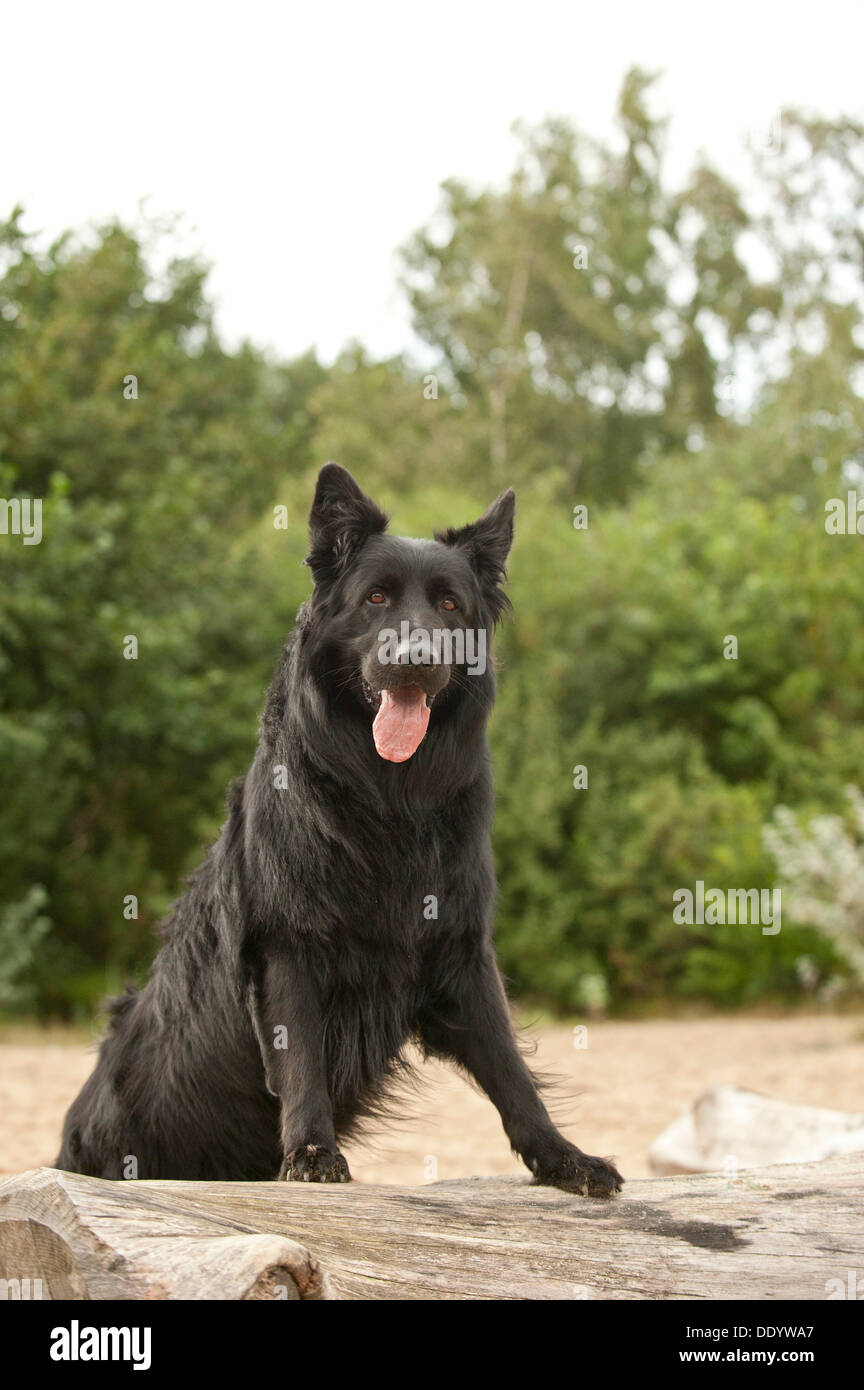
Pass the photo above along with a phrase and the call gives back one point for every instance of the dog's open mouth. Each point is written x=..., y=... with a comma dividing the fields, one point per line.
x=401, y=722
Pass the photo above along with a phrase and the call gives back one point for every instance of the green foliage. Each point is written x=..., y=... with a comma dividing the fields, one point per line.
x=601, y=383
x=686, y=752
x=23, y=928
x=114, y=768
x=821, y=870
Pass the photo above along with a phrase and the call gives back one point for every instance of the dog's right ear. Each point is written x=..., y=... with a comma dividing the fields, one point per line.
x=341, y=519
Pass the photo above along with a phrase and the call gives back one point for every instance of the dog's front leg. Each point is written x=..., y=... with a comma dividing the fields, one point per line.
x=471, y=1024
x=288, y=1022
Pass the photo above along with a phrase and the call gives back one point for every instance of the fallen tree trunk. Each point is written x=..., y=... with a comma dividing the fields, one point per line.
x=781, y=1232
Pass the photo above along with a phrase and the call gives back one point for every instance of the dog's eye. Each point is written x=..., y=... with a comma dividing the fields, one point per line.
x=376, y=596
x=449, y=604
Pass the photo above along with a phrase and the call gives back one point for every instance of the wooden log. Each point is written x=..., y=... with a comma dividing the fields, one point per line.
x=774, y=1233
x=754, y=1131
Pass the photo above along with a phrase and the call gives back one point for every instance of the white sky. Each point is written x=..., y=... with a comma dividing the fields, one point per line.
x=304, y=144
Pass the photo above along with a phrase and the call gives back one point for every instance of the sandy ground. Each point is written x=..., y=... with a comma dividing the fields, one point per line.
x=626, y=1086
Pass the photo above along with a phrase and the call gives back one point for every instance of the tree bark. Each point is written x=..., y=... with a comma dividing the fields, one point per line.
x=774, y=1233
x=498, y=395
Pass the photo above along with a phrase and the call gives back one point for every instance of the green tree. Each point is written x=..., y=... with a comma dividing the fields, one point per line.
x=154, y=450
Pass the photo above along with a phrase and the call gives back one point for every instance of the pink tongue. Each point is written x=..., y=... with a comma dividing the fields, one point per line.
x=400, y=723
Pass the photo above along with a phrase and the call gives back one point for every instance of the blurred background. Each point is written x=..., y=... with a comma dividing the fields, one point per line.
x=586, y=306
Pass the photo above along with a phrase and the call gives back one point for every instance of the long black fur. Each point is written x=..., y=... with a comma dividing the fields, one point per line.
x=304, y=954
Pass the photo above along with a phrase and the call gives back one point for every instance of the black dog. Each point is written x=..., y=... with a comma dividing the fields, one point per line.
x=346, y=907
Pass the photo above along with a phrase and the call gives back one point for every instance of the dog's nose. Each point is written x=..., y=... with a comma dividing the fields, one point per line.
x=420, y=649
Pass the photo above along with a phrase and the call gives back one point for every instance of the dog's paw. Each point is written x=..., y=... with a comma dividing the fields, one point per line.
x=574, y=1171
x=312, y=1163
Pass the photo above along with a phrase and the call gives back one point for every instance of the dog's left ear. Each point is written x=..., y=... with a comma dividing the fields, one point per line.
x=341, y=519
x=487, y=544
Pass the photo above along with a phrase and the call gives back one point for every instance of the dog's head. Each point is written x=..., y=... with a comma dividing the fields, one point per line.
x=403, y=625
